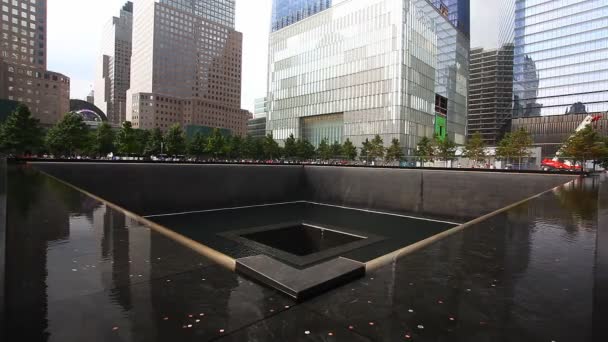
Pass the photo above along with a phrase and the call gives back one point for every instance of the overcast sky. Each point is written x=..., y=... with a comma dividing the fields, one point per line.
x=75, y=28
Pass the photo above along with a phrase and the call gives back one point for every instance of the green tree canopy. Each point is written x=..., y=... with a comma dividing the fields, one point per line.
x=126, y=140
x=366, y=150
x=270, y=147
x=154, y=145
x=445, y=149
x=475, y=149
x=215, y=144
x=505, y=149
x=175, y=140
x=377, y=148
x=306, y=150
x=233, y=147
x=394, y=152
x=586, y=145
x=425, y=150
x=324, y=150
x=291, y=149
x=336, y=150
x=103, y=139
x=250, y=148
x=141, y=141
x=69, y=136
x=349, y=150
x=521, y=143
x=21, y=133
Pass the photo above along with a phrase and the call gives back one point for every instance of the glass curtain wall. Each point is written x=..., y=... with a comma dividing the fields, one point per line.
x=560, y=56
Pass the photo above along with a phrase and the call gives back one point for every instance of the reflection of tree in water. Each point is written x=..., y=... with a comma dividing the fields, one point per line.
x=577, y=108
x=579, y=198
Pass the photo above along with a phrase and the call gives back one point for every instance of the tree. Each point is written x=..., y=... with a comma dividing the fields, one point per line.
x=521, y=143
x=126, y=141
x=270, y=147
x=233, y=147
x=21, y=133
x=377, y=148
x=103, y=140
x=175, y=140
x=586, y=145
x=306, y=150
x=69, y=136
x=349, y=151
x=475, y=149
x=446, y=149
x=141, y=141
x=394, y=152
x=336, y=150
x=154, y=145
x=425, y=150
x=366, y=150
x=324, y=150
x=249, y=149
x=505, y=150
x=215, y=144
x=291, y=149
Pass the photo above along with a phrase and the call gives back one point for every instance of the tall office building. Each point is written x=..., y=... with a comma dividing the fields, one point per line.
x=458, y=11
x=23, y=73
x=560, y=55
x=186, y=66
x=114, y=66
x=490, y=93
x=365, y=67
x=287, y=12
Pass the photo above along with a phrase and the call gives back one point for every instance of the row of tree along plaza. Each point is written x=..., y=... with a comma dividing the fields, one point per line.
x=21, y=135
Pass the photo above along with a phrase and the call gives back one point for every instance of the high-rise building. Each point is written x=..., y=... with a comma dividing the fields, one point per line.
x=23, y=36
x=490, y=93
x=458, y=11
x=360, y=68
x=560, y=55
x=287, y=12
x=186, y=66
x=260, y=107
x=113, y=76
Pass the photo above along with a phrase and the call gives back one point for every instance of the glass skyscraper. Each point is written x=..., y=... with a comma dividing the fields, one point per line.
x=560, y=55
x=458, y=13
x=394, y=68
x=287, y=12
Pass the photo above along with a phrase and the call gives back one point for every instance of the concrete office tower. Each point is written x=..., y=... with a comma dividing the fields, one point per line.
x=490, y=93
x=360, y=68
x=24, y=77
x=186, y=66
x=113, y=76
x=560, y=56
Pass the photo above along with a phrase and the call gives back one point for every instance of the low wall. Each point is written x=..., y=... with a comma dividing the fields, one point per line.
x=151, y=189
x=449, y=194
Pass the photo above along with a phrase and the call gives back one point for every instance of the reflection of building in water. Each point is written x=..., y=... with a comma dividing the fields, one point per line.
x=560, y=56
x=525, y=89
x=577, y=108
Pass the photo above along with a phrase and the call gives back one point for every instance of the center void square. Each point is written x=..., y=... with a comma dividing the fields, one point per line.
x=302, y=239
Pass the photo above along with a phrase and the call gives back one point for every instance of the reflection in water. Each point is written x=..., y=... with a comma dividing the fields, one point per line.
x=524, y=275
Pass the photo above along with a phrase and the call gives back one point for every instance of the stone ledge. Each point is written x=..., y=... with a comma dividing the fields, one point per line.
x=300, y=284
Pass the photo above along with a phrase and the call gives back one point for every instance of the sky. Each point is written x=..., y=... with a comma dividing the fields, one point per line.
x=75, y=28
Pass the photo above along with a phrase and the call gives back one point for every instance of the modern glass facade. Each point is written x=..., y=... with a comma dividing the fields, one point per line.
x=362, y=68
x=560, y=56
x=287, y=12
x=459, y=13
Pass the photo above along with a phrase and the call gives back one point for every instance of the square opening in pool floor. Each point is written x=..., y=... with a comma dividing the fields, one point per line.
x=302, y=239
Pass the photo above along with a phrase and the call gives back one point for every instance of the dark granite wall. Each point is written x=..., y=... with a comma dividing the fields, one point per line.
x=447, y=194
x=151, y=189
